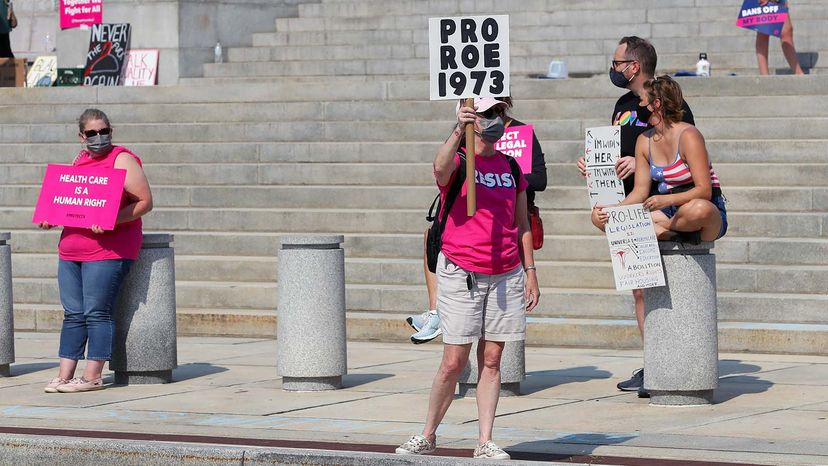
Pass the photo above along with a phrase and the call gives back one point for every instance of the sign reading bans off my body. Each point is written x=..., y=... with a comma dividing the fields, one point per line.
x=469, y=57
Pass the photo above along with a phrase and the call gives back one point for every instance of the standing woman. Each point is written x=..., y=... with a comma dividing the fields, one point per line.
x=8, y=21
x=93, y=262
x=786, y=37
x=482, y=294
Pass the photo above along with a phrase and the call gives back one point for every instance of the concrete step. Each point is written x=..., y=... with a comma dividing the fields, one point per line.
x=560, y=154
x=591, y=247
x=745, y=278
x=740, y=199
x=773, y=224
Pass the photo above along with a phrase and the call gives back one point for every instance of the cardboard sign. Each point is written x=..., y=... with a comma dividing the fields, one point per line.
x=43, y=72
x=12, y=72
x=80, y=197
x=141, y=67
x=767, y=19
x=636, y=259
x=517, y=142
x=108, y=46
x=468, y=57
x=80, y=13
x=602, y=148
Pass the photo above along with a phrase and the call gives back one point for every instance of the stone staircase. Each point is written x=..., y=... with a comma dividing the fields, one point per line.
x=235, y=162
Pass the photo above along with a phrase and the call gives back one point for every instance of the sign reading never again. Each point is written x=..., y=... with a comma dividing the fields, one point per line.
x=108, y=47
x=468, y=57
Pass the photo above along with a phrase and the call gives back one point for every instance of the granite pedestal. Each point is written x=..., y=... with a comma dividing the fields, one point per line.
x=145, y=350
x=6, y=307
x=310, y=331
x=512, y=370
x=681, y=354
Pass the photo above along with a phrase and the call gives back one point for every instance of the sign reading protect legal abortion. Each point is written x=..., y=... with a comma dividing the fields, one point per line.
x=767, y=19
x=602, y=148
x=80, y=13
x=469, y=57
x=80, y=197
x=636, y=259
x=517, y=142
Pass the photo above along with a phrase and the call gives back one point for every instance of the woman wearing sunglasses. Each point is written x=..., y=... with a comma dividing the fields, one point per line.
x=482, y=292
x=94, y=262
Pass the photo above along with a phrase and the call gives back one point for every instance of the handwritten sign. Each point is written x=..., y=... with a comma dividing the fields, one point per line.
x=767, y=19
x=636, y=260
x=80, y=13
x=108, y=46
x=468, y=56
x=43, y=72
x=141, y=67
x=80, y=197
x=517, y=142
x=602, y=148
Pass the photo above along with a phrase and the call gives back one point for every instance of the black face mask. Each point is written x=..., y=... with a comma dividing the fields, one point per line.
x=618, y=78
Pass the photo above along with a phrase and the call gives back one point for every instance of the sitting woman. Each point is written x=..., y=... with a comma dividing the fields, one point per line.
x=689, y=206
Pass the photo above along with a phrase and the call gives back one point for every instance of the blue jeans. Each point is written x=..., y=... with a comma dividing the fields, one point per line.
x=88, y=293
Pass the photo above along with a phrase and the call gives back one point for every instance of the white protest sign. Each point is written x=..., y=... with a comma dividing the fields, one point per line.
x=602, y=148
x=141, y=67
x=468, y=57
x=43, y=72
x=636, y=260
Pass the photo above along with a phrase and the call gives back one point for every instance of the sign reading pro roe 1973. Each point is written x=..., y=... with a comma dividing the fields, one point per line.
x=469, y=57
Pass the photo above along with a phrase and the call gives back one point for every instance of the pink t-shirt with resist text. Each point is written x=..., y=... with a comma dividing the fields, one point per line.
x=487, y=242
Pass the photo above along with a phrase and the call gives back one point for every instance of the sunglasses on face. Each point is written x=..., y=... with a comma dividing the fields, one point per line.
x=490, y=113
x=91, y=133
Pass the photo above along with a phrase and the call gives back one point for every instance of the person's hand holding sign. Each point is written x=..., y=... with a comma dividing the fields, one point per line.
x=97, y=229
x=599, y=217
x=466, y=115
x=625, y=166
x=45, y=226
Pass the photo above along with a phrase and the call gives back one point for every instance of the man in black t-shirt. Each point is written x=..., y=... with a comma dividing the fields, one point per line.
x=633, y=63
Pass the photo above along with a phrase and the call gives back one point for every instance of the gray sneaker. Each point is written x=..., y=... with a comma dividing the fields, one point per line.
x=417, y=445
x=634, y=383
x=490, y=451
x=429, y=331
x=417, y=322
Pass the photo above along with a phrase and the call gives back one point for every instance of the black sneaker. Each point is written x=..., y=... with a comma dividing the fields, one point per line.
x=634, y=383
x=643, y=393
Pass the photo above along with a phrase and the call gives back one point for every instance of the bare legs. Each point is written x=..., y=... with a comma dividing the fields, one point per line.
x=787, y=48
x=454, y=361
x=697, y=215
x=92, y=371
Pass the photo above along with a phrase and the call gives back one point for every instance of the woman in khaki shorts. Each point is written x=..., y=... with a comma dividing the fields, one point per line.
x=482, y=293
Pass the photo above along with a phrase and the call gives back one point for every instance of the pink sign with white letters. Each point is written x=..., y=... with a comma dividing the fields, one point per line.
x=517, y=142
x=80, y=13
x=80, y=197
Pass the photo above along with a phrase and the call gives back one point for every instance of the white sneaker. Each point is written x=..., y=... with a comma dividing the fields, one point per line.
x=417, y=322
x=490, y=451
x=429, y=331
x=417, y=445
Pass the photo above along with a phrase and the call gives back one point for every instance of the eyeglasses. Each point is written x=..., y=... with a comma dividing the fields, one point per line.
x=91, y=133
x=615, y=63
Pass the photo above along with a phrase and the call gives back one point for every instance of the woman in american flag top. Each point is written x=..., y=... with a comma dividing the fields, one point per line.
x=689, y=205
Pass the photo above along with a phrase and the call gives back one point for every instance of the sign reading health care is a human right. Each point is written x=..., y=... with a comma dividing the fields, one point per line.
x=517, y=142
x=767, y=19
x=80, y=13
x=636, y=259
x=80, y=196
x=468, y=57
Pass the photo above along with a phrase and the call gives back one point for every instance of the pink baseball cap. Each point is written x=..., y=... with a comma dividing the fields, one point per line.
x=481, y=104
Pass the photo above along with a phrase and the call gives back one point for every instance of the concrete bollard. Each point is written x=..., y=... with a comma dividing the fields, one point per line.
x=145, y=350
x=512, y=370
x=6, y=307
x=681, y=351
x=310, y=327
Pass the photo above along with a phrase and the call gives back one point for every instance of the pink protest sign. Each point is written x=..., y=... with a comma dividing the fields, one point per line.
x=80, y=197
x=80, y=13
x=517, y=142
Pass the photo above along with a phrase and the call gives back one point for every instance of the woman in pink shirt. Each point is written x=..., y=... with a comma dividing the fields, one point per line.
x=482, y=293
x=93, y=262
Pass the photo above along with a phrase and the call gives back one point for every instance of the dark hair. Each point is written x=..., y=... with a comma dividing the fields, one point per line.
x=91, y=114
x=503, y=110
x=668, y=91
x=642, y=51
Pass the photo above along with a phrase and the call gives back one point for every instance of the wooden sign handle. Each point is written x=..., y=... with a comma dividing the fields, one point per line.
x=471, y=187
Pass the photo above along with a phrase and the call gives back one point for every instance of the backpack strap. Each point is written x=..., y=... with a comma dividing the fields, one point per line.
x=516, y=172
x=453, y=191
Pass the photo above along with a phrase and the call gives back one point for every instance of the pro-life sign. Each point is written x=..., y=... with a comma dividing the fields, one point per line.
x=602, y=148
x=636, y=259
x=468, y=57
x=80, y=197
